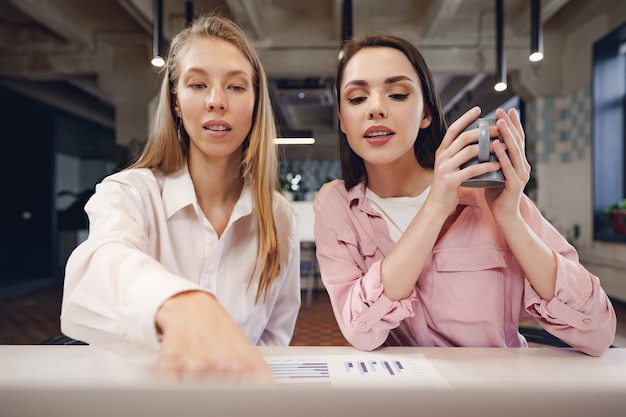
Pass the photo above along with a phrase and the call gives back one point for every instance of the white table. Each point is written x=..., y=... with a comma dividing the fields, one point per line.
x=84, y=381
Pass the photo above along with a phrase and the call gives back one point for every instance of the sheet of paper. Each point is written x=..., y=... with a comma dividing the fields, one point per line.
x=357, y=370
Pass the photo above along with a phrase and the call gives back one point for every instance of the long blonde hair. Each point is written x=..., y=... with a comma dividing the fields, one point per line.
x=259, y=166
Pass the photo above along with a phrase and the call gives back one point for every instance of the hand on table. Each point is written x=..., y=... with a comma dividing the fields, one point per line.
x=199, y=338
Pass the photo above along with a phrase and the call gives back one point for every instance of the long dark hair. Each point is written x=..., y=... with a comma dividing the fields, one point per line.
x=427, y=140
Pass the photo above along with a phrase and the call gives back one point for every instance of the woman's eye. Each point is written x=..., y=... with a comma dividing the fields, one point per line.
x=196, y=86
x=356, y=100
x=237, y=88
x=399, y=97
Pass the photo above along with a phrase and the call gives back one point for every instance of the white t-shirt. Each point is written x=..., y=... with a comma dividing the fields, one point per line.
x=398, y=212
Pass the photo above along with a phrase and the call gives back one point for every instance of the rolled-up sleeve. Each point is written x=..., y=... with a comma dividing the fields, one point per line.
x=580, y=314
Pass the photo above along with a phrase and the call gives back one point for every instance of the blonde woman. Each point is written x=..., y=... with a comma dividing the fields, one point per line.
x=191, y=252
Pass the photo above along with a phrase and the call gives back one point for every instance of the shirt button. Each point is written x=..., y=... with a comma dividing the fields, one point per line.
x=361, y=326
x=587, y=321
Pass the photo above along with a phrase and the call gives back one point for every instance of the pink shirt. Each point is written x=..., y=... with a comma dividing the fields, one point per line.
x=471, y=291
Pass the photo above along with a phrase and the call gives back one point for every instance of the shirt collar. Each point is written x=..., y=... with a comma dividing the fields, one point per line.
x=356, y=194
x=179, y=192
x=244, y=205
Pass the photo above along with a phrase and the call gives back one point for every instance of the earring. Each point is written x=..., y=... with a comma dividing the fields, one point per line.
x=179, y=124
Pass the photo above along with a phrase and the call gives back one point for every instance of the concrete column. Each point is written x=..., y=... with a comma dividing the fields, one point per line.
x=131, y=83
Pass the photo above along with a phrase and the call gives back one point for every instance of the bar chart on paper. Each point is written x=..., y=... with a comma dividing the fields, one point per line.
x=390, y=367
x=357, y=370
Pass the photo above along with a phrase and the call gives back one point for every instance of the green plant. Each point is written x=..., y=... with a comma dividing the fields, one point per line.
x=615, y=216
x=611, y=208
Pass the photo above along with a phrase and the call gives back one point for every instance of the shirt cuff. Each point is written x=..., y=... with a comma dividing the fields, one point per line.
x=572, y=291
x=381, y=309
x=142, y=302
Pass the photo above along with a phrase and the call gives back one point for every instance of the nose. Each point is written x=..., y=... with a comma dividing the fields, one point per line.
x=216, y=101
x=376, y=109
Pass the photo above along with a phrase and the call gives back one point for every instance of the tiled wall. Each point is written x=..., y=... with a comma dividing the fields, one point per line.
x=559, y=144
x=562, y=128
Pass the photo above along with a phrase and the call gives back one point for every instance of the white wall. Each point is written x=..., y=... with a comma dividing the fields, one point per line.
x=561, y=124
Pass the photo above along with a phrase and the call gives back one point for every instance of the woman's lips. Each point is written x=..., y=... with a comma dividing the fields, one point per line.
x=378, y=135
x=217, y=128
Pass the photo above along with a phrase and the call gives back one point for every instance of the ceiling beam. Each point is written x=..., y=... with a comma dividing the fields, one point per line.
x=56, y=96
x=337, y=12
x=520, y=22
x=59, y=17
x=437, y=14
x=246, y=13
x=140, y=11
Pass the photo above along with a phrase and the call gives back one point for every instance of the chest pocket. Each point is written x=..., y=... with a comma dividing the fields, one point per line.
x=467, y=286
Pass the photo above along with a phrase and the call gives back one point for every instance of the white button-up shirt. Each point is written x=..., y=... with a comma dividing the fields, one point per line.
x=149, y=240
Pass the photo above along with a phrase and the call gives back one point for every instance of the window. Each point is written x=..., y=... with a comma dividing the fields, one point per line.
x=609, y=135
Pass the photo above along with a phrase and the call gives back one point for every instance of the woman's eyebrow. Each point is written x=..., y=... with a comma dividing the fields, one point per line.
x=358, y=83
x=231, y=73
x=390, y=80
x=397, y=78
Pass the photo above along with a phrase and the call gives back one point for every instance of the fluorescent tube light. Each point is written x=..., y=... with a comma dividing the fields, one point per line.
x=294, y=141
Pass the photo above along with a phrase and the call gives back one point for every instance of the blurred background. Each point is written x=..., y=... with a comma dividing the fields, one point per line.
x=78, y=89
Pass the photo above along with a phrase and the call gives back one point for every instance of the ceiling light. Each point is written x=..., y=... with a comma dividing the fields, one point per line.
x=157, y=61
x=294, y=141
x=190, y=13
x=157, y=29
x=500, y=86
x=500, y=61
x=347, y=24
x=536, y=37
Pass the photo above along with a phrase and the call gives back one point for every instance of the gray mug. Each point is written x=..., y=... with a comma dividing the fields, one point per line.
x=489, y=179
